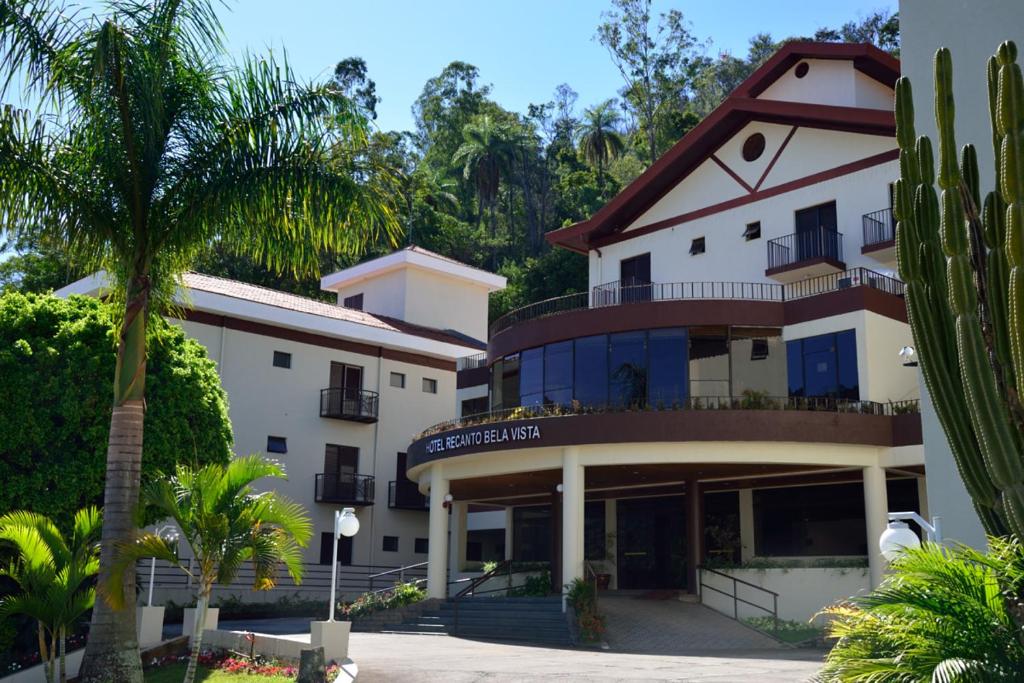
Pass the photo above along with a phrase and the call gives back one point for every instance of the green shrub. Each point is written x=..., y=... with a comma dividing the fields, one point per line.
x=582, y=597
x=57, y=365
x=536, y=586
x=401, y=595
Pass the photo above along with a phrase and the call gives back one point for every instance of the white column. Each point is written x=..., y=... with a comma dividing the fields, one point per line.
x=572, y=515
x=611, y=524
x=457, y=537
x=509, y=520
x=876, y=513
x=747, y=542
x=437, y=551
x=922, y=498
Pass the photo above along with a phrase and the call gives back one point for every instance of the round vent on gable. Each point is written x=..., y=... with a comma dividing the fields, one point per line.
x=801, y=69
x=753, y=147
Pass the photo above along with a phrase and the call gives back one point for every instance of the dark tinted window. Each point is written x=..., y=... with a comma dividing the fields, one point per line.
x=667, y=354
x=282, y=359
x=594, y=538
x=824, y=366
x=627, y=368
x=355, y=301
x=810, y=520
x=531, y=377
x=473, y=406
x=421, y=546
x=558, y=373
x=344, y=548
x=277, y=444
x=591, y=370
x=390, y=544
x=722, y=526
x=531, y=533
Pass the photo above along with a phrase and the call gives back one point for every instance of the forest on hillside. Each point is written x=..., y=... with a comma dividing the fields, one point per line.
x=482, y=184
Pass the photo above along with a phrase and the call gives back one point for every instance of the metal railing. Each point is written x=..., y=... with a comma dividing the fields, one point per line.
x=878, y=227
x=345, y=403
x=351, y=489
x=736, y=599
x=618, y=294
x=798, y=247
x=405, y=495
x=402, y=572
x=505, y=569
x=471, y=362
x=749, y=401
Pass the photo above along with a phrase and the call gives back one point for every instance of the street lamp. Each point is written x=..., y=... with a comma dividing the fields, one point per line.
x=171, y=537
x=898, y=537
x=345, y=524
x=907, y=354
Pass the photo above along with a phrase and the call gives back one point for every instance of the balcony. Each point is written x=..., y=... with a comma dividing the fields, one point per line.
x=805, y=254
x=349, y=404
x=880, y=236
x=405, y=495
x=352, y=489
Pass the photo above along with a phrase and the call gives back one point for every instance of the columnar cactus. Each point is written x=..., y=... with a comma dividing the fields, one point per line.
x=963, y=261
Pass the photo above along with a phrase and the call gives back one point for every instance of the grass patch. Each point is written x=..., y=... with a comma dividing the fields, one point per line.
x=788, y=631
x=175, y=673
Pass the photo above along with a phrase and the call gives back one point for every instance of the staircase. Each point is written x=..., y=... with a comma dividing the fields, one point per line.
x=533, y=620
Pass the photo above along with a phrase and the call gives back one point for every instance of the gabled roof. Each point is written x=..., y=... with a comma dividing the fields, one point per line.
x=736, y=111
x=412, y=256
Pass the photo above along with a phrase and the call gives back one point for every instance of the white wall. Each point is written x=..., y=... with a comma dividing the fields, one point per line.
x=802, y=592
x=383, y=294
x=972, y=30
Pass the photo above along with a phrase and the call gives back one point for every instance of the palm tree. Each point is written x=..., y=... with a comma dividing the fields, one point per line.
x=486, y=155
x=54, y=577
x=598, y=137
x=148, y=150
x=226, y=524
x=941, y=615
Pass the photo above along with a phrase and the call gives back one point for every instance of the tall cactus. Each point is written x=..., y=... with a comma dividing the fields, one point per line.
x=963, y=261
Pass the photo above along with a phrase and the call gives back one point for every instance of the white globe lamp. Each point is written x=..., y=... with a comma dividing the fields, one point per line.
x=348, y=524
x=896, y=539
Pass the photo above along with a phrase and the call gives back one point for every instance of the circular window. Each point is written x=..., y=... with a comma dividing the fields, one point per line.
x=753, y=147
x=801, y=69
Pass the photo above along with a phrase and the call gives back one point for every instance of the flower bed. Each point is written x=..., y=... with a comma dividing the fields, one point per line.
x=216, y=666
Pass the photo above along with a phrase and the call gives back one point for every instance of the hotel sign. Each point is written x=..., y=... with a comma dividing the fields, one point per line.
x=482, y=436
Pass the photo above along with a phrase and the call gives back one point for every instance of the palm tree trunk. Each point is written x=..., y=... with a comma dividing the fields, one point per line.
x=63, y=655
x=44, y=654
x=112, y=651
x=197, y=629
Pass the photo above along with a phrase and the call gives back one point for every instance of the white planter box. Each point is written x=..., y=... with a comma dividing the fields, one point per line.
x=212, y=618
x=333, y=636
x=149, y=623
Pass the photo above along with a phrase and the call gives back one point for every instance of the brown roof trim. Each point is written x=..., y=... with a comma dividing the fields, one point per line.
x=878, y=246
x=813, y=179
x=289, y=334
x=677, y=427
x=738, y=109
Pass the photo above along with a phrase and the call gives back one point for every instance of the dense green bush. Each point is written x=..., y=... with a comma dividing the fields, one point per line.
x=56, y=379
x=401, y=595
x=582, y=597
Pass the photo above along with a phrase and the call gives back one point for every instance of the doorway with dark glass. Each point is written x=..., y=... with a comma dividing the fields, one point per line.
x=651, y=543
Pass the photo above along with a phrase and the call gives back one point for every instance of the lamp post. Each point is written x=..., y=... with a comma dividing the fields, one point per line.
x=345, y=524
x=898, y=537
x=173, y=536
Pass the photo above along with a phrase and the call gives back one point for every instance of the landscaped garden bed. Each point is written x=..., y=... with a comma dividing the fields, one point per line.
x=225, y=667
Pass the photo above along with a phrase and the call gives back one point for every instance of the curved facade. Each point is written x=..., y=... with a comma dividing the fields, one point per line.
x=728, y=388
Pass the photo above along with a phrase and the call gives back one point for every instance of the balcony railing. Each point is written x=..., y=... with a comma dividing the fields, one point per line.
x=879, y=227
x=471, y=362
x=617, y=294
x=405, y=495
x=350, y=489
x=800, y=247
x=349, y=404
x=748, y=401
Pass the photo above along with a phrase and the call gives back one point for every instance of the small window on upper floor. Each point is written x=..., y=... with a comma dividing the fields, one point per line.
x=390, y=544
x=758, y=349
x=355, y=301
x=398, y=380
x=697, y=246
x=421, y=546
x=282, y=359
x=753, y=231
x=429, y=385
x=277, y=444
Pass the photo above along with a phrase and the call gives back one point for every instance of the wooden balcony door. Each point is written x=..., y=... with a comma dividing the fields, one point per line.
x=340, y=466
x=349, y=380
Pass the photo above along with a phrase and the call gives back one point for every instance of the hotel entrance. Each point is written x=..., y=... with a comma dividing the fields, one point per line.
x=652, y=543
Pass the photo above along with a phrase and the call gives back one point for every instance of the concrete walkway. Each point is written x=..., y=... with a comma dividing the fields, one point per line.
x=417, y=658
x=672, y=627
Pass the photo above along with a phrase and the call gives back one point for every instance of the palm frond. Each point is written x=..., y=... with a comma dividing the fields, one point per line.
x=126, y=556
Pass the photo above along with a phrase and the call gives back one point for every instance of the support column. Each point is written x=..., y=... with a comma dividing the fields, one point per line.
x=437, y=550
x=876, y=514
x=922, y=498
x=457, y=537
x=572, y=515
x=694, y=533
x=509, y=538
x=747, y=542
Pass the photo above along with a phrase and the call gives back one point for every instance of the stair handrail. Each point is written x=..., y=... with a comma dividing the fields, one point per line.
x=736, y=599
x=503, y=566
x=399, y=570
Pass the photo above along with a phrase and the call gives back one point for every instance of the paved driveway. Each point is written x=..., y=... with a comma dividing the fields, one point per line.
x=389, y=657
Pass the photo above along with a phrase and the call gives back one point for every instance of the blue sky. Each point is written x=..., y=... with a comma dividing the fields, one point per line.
x=524, y=48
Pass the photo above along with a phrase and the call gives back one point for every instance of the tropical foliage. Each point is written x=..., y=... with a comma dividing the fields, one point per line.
x=226, y=523
x=56, y=358
x=941, y=615
x=400, y=595
x=54, y=575
x=148, y=147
